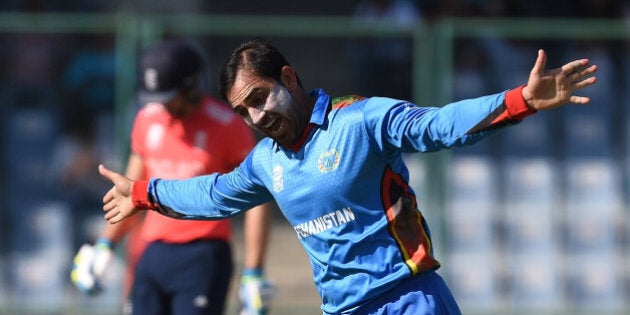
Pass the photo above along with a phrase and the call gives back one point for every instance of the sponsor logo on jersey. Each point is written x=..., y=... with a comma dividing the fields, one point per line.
x=328, y=161
x=278, y=181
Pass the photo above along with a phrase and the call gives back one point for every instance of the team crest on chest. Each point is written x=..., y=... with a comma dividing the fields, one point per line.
x=328, y=161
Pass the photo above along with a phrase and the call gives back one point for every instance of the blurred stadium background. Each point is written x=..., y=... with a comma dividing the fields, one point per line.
x=534, y=220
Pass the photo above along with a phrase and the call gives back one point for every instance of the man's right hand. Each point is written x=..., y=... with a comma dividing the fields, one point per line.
x=89, y=266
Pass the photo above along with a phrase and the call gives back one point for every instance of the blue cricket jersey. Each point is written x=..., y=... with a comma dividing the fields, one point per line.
x=345, y=190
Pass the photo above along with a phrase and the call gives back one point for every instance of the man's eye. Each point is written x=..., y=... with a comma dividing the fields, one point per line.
x=241, y=111
x=258, y=102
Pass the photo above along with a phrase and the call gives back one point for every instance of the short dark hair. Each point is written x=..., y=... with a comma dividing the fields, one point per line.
x=256, y=55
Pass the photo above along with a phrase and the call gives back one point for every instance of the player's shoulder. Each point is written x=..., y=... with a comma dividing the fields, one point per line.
x=218, y=111
x=353, y=109
x=348, y=108
x=346, y=101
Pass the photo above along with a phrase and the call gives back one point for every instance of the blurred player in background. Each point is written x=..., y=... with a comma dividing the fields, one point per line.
x=335, y=168
x=175, y=266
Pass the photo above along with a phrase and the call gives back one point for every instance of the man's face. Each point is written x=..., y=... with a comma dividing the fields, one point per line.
x=267, y=106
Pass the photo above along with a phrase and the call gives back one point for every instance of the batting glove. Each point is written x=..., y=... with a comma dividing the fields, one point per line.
x=89, y=266
x=255, y=293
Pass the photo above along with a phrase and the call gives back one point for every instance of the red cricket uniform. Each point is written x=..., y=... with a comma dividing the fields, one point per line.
x=212, y=139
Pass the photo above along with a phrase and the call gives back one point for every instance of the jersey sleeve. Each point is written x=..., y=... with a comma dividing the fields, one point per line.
x=210, y=197
x=405, y=126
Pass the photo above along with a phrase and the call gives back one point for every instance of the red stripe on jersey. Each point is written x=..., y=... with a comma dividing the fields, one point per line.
x=406, y=223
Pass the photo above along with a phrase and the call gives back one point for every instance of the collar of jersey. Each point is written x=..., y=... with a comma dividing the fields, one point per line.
x=320, y=109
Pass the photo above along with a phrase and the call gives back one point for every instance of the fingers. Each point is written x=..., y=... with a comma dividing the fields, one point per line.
x=115, y=215
x=119, y=216
x=107, y=173
x=583, y=72
x=109, y=215
x=109, y=196
x=576, y=67
x=109, y=206
x=112, y=208
x=584, y=83
x=541, y=61
x=578, y=83
x=588, y=71
x=579, y=99
x=110, y=203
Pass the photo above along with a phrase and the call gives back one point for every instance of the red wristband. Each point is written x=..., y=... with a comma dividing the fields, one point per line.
x=516, y=105
x=140, y=196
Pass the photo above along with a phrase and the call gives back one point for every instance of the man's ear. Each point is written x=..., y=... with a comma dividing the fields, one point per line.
x=288, y=77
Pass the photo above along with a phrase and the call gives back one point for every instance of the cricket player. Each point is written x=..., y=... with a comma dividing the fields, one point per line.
x=335, y=168
x=182, y=267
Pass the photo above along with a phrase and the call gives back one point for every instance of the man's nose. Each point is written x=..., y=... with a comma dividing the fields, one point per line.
x=256, y=114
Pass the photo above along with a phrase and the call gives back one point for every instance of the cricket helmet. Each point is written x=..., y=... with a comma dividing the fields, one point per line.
x=168, y=67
